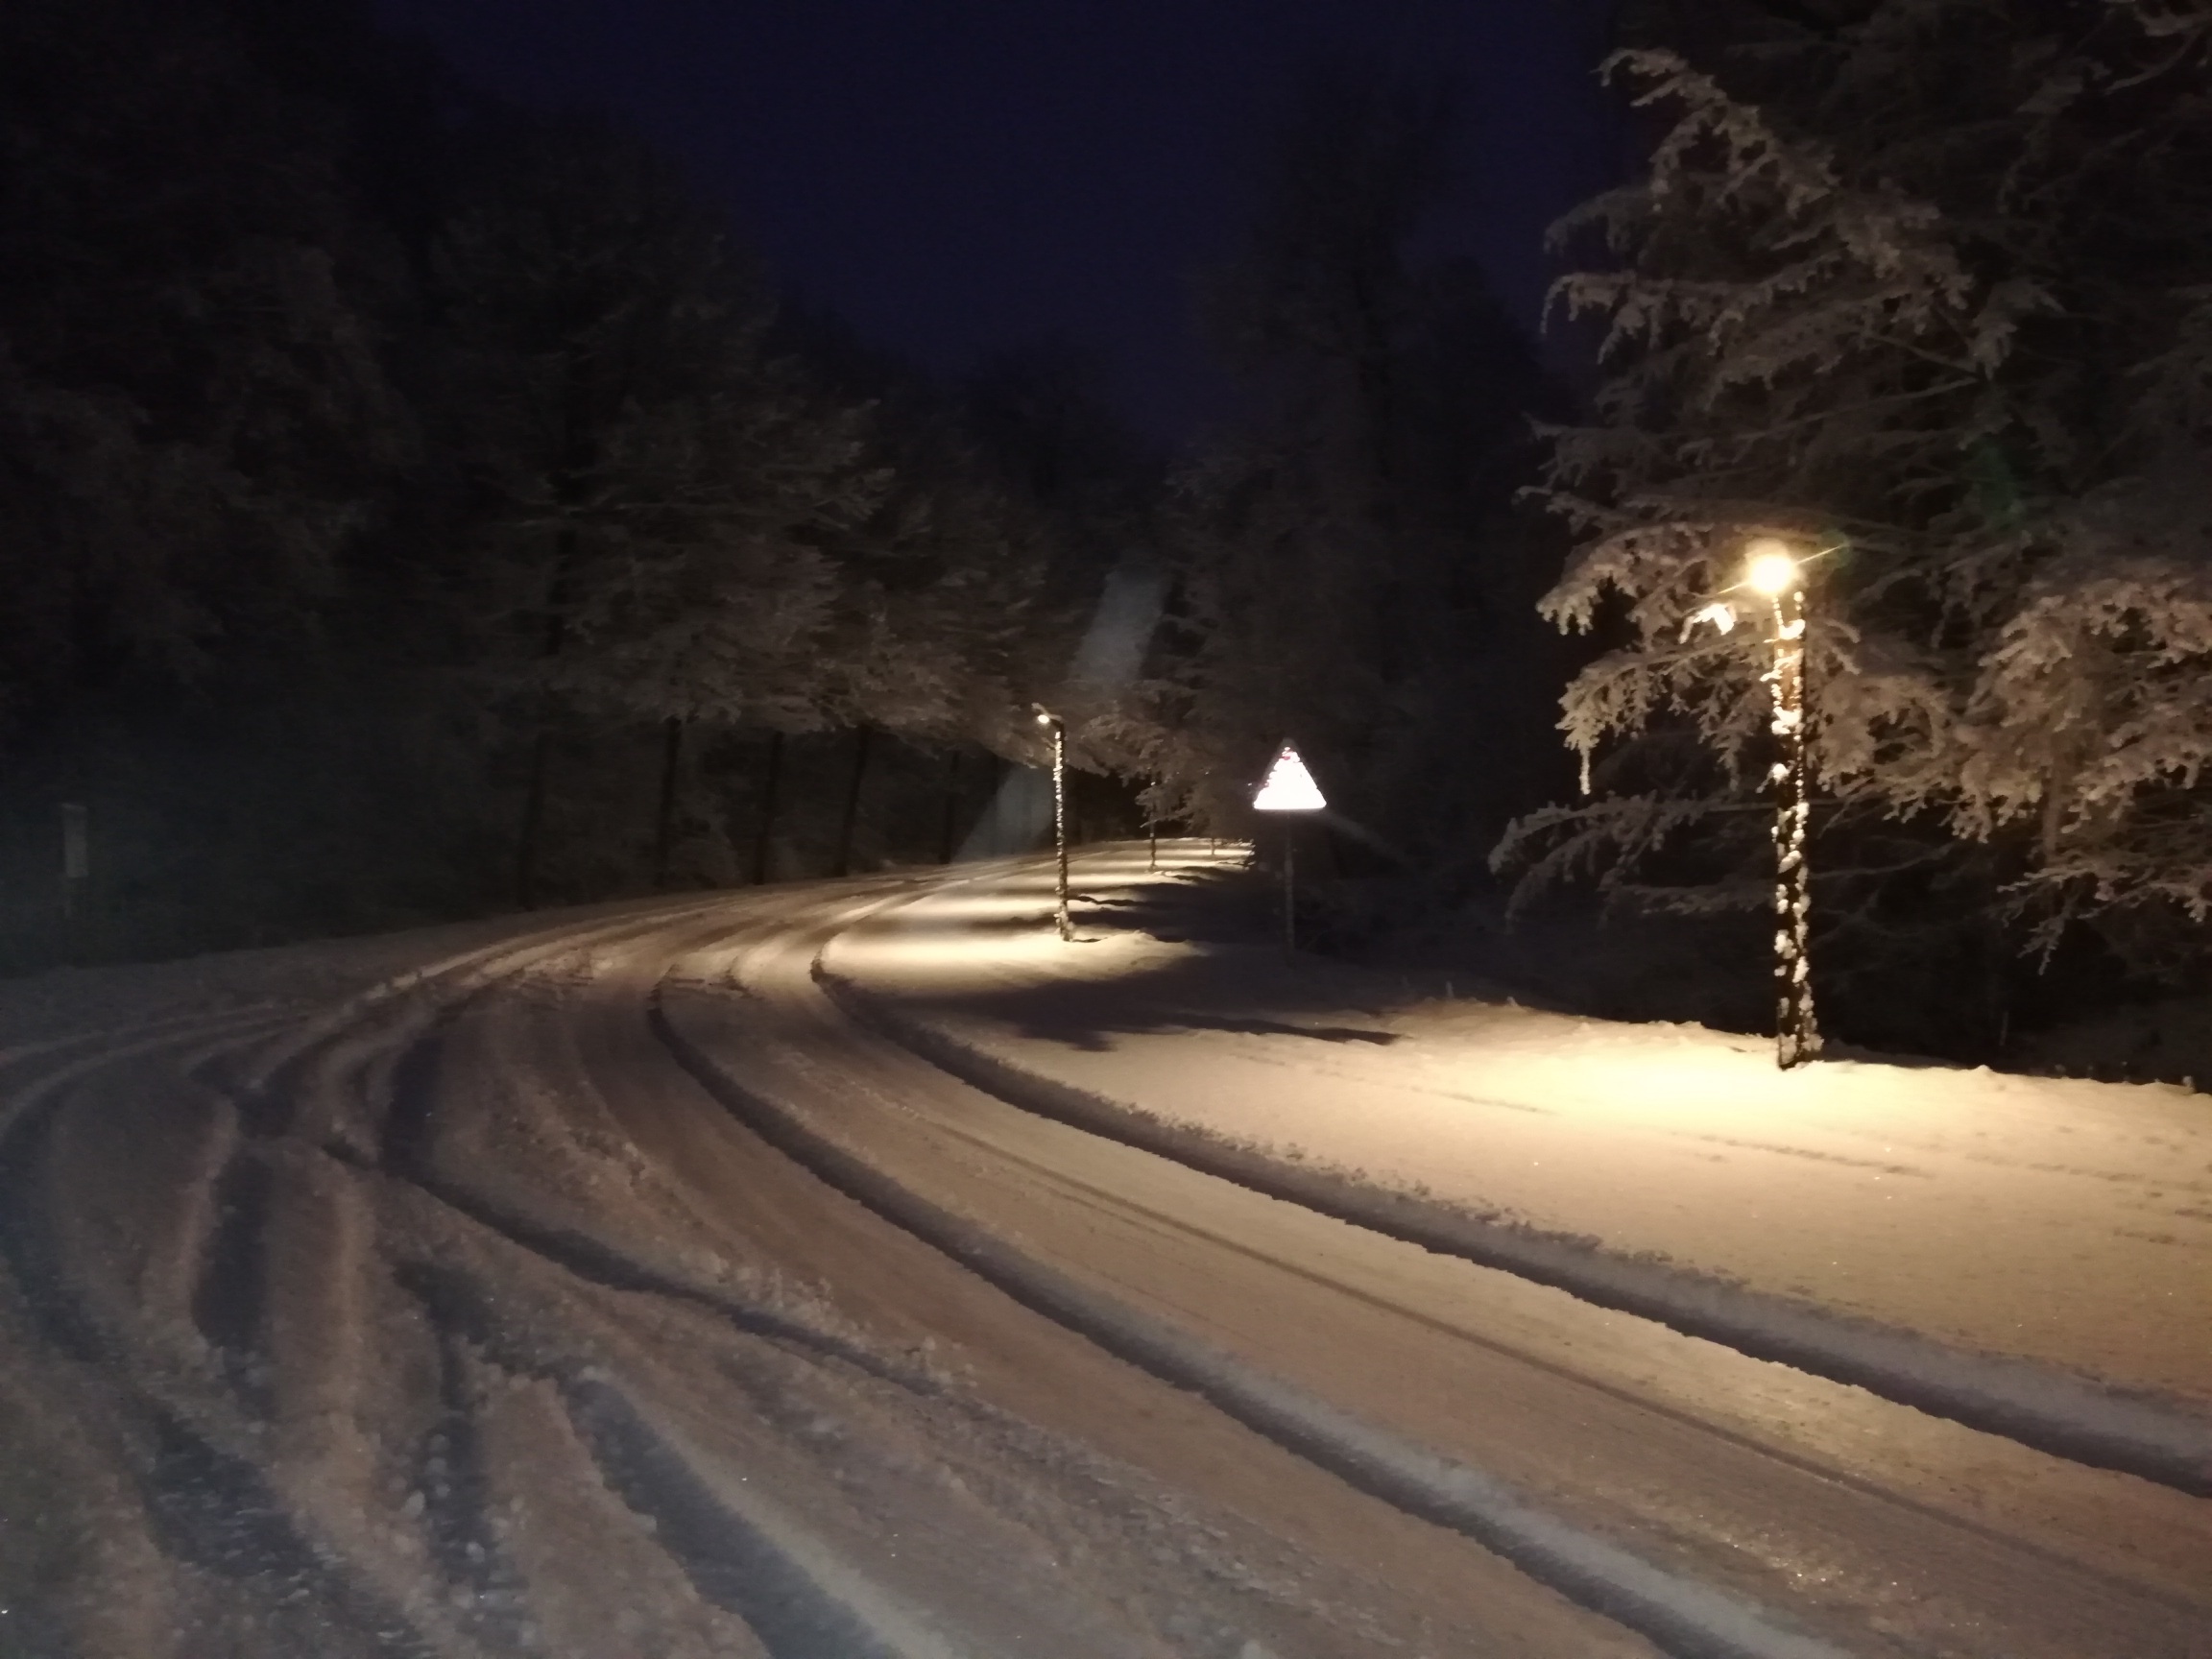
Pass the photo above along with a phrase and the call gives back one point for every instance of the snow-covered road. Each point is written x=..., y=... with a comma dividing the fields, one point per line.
x=598, y=1286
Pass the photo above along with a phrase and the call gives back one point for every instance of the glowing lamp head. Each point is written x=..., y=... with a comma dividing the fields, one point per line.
x=1770, y=568
x=1044, y=717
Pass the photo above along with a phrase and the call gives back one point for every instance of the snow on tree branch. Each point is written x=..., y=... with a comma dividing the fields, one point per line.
x=1929, y=295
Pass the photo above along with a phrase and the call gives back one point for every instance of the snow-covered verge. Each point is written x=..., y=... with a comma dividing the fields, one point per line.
x=2168, y=1040
x=86, y=1005
x=2029, y=1256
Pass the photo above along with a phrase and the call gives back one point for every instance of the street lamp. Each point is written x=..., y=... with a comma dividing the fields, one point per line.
x=1059, y=730
x=1772, y=570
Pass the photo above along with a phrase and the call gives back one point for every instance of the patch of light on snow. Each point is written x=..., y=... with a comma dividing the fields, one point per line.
x=1842, y=1148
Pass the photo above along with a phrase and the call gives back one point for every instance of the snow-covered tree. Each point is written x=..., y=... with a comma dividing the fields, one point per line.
x=1349, y=569
x=715, y=589
x=196, y=416
x=1919, y=285
x=690, y=524
x=375, y=460
x=660, y=493
x=1010, y=494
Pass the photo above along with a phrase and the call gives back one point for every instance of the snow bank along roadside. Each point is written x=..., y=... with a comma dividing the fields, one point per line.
x=1687, y=1619
x=58, y=1007
x=2039, y=1406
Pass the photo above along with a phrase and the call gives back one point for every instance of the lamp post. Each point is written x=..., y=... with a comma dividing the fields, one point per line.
x=1773, y=570
x=1059, y=730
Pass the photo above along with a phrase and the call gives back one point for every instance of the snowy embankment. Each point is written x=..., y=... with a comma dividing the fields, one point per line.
x=2032, y=1257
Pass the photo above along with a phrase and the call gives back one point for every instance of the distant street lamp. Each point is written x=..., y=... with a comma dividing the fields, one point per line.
x=1774, y=569
x=1059, y=730
x=1288, y=787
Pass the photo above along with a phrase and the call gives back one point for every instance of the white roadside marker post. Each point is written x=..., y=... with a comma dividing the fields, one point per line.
x=1288, y=787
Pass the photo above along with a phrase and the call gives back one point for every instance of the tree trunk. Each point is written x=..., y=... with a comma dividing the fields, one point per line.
x=945, y=829
x=664, y=822
x=774, y=776
x=529, y=834
x=843, y=866
x=568, y=549
x=1797, y=1033
x=526, y=833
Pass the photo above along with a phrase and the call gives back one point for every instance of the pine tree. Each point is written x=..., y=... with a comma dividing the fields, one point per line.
x=655, y=489
x=1918, y=285
x=1350, y=571
x=196, y=417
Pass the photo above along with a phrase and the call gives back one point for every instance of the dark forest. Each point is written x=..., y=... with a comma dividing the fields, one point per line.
x=414, y=506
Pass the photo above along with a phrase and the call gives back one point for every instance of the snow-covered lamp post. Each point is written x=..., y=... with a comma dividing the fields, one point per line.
x=1059, y=730
x=1288, y=787
x=1774, y=569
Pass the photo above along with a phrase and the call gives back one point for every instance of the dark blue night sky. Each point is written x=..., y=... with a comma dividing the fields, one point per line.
x=955, y=176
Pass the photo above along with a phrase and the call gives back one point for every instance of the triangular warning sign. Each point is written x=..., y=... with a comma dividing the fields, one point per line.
x=1288, y=787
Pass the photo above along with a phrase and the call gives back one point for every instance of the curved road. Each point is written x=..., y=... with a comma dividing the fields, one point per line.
x=603, y=1288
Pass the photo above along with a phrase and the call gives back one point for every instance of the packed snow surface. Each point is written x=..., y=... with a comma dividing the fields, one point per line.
x=858, y=1270
x=375, y=1298
x=2043, y=1243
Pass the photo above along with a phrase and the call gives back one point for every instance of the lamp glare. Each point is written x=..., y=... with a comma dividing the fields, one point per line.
x=1772, y=570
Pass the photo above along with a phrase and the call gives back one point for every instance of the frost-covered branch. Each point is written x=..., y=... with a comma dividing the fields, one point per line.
x=1927, y=295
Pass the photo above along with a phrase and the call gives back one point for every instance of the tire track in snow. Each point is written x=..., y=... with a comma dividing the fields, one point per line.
x=802, y=1598
x=112, y=1041
x=215, y=1510
x=796, y=1596
x=205, y=1496
x=1686, y=1618
x=456, y=1488
x=596, y=1262
x=28, y=1117
x=740, y=1552
x=206, y=1499
x=316, y=1060
x=1106, y=1201
x=226, y=1304
x=402, y=1019
x=448, y=1065
x=2047, y=1411
x=406, y=1154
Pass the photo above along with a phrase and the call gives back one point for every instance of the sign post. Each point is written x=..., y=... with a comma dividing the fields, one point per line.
x=1288, y=787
